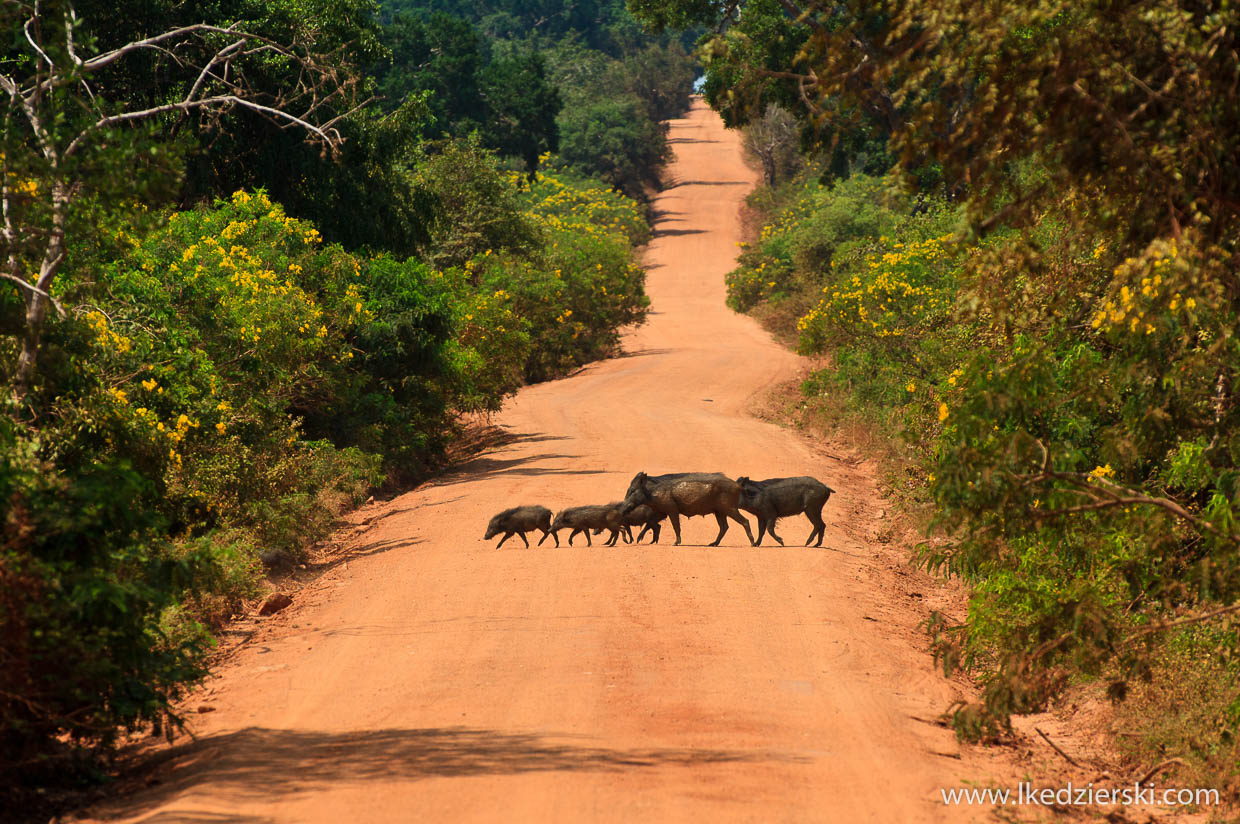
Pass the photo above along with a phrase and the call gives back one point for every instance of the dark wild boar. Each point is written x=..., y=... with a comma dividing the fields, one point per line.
x=689, y=494
x=642, y=516
x=587, y=518
x=777, y=498
x=649, y=520
x=518, y=521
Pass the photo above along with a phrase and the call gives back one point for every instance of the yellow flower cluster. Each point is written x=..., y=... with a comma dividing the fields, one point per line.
x=595, y=212
x=896, y=293
x=271, y=302
x=1144, y=287
x=1101, y=472
x=105, y=336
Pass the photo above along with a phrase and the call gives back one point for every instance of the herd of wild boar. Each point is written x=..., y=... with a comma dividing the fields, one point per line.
x=650, y=499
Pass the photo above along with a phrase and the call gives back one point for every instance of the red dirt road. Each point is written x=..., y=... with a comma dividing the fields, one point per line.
x=433, y=678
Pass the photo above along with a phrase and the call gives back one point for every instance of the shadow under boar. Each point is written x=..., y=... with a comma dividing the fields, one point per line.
x=518, y=521
x=777, y=498
x=689, y=494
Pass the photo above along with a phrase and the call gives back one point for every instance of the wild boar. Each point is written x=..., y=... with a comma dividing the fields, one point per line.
x=777, y=498
x=518, y=521
x=688, y=493
x=649, y=520
x=587, y=518
x=642, y=516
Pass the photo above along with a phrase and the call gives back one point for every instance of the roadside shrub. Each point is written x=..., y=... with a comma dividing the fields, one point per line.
x=477, y=205
x=812, y=227
x=583, y=286
x=84, y=580
x=614, y=140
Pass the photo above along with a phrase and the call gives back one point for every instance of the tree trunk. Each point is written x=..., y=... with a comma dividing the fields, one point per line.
x=768, y=166
x=37, y=302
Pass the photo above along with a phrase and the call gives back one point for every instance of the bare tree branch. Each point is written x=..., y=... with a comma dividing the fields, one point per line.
x=70, y=23
x=26, y=285
x=31, y=40
x=219, y=56
x=328, y=133
x=107, y=58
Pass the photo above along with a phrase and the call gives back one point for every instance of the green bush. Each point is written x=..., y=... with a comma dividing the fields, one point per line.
x=613, y=139
x=85, y=577
x=814, y=230
x=584, y=285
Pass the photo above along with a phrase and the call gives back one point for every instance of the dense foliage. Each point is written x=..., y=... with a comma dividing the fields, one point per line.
x=1059, y=341
x=576, y=79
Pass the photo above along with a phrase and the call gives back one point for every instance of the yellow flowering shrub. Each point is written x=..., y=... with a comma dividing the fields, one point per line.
x=903, y=289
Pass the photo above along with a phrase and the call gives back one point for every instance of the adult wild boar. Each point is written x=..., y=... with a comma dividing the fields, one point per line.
x=688, y=493
x=586, y=518
x=518, y=521
x=777, y=498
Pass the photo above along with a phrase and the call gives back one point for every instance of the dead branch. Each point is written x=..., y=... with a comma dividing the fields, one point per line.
x=1105, y=494
x=1056, y=748
x=1181, y=622
x=35, y=289
x=1159, y=767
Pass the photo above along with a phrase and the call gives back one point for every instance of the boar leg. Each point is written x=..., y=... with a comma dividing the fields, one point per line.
x=738, y=517
x=770, y=527
x=723, y=528
x=507, y=535
x=675, y=516
x=819, y=529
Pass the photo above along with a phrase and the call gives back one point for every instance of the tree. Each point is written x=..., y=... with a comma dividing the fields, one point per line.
x=438, y=54
x=613, y=140
x=609, y=127
x=775, y=141
x=521, y=108
x=662, y=76
x=57, y=106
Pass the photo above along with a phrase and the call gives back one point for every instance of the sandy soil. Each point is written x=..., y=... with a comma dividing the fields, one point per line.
x=433, y=678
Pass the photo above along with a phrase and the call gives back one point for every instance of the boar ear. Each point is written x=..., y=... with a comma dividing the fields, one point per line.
x=742, y=480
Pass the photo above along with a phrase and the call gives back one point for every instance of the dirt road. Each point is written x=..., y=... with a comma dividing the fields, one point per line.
x=433, y=678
